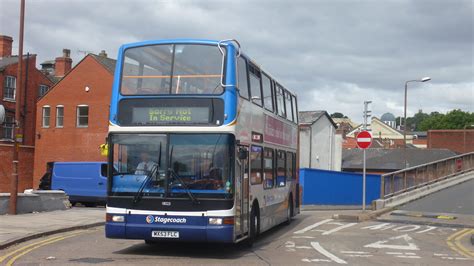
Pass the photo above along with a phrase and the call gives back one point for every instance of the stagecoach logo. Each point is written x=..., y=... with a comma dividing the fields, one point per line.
x=150, y=219
x=164, y=220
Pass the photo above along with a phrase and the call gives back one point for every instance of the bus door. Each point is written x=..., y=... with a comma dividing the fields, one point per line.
x=242, y=174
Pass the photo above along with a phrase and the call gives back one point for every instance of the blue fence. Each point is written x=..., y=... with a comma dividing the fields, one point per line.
x=322, y=187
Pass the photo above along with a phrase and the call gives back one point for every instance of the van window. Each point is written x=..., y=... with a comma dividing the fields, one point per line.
x=103, y=170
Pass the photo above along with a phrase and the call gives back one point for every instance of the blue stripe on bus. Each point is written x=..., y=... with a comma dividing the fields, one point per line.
x=195, y=229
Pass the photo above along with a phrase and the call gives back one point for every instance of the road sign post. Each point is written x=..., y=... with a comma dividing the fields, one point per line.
x=364, y=140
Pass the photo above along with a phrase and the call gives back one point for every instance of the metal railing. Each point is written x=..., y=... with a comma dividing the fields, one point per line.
x=417, y=176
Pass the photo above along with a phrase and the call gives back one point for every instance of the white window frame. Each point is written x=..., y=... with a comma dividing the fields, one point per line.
x=77, y=116
x=10, y=120
x=43, y=116
x=57, y=116
x=9, y=83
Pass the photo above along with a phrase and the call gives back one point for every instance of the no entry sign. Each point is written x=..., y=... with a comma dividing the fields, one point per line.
x=364, y=139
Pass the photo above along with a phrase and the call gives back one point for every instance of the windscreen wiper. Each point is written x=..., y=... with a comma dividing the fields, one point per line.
x=139, y=195
x=186, y=188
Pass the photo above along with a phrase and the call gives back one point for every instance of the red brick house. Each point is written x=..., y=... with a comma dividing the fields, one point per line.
x=72, y=118
x=34, y=82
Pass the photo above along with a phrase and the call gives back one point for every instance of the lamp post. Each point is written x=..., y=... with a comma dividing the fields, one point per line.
x=425, y=79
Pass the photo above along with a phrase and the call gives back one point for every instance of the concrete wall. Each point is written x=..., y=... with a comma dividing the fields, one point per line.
x=318, y=146
x=36, y=201
x=321, y=187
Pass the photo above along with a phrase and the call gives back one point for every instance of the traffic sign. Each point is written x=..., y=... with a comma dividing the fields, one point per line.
x=364, y=139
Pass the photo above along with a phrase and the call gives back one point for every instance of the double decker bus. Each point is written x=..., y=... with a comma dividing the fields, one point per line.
x=203, y=145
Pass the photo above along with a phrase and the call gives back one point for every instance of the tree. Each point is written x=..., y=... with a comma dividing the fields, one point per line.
x=338, y=115
x=455, y=119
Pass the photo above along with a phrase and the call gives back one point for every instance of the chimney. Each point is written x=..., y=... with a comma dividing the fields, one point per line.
x=103, y=54
x=63, y=64
x=5, y=46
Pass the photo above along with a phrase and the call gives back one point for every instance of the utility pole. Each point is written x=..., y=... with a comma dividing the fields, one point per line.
x=18, y=138
x=364, y=177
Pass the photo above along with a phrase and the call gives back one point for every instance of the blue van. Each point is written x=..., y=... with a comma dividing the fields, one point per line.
x=84, y=182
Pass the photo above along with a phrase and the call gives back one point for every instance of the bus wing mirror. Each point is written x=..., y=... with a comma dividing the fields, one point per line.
x=243, y=154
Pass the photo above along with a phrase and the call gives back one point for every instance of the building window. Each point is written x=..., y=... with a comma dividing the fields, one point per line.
x=9, y=88
x=46, y=116
x=82, y=116
x=59, y=116
x=8, y=127
x=42, y=90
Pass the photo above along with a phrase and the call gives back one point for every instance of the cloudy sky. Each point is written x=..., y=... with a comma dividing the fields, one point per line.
x=333, y=54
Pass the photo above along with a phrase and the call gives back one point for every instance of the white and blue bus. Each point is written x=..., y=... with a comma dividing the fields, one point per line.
x=203, y=145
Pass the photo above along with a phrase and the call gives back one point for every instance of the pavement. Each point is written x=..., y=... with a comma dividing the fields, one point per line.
x=15, y=229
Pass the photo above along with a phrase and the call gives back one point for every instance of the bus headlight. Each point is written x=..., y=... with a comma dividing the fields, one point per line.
x=114, y=218
x=215, y=221
x=221, y=221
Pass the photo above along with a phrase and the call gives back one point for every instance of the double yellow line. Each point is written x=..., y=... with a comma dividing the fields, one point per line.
x=454, y=242
x=17, y=253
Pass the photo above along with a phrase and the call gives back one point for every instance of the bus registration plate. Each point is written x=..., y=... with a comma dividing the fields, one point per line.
x=165, y=234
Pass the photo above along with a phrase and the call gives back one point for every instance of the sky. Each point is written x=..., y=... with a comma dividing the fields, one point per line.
x=334, y=54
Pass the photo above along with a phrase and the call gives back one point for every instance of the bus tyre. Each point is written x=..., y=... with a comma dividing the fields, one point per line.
x=289, y=212
x=254, y=225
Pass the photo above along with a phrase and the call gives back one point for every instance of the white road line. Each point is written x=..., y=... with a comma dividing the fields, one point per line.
x=426, y=230
x=454, y=258
x=307, y=228
x=441, y=255
x=326, y=253
x=360, y=255
x=383, y=244
x=315, y=260
x=408, y=257
x=393, y=253
x=354, y=252
x=338, y=228
x=410, y=253
x=303, y=237
x=303, y=247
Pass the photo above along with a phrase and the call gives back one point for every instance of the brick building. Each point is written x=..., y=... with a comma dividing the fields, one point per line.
x=457, y=140
x=72, y=117
x=34, y=81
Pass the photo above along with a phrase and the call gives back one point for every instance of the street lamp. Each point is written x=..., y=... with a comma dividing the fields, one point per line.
x=425, y=79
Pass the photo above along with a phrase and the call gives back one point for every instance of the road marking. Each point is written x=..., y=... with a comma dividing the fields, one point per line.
x=453, y=258
x=454, y=242
x=2, y=258
x=338, y=228
x=440, y=255
x=303, y=237
x=382, y=244
x=13, y=259
x=354, y=252
x=326, y=253
x=304, y=230
x=408, y=257
x=360, y=255
x=315, y=260
x=382, y=226
x=426, y=230
x=394, y=253
x=410, y=227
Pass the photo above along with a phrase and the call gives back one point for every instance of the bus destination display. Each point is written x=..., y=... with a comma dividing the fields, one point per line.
x=170, y=115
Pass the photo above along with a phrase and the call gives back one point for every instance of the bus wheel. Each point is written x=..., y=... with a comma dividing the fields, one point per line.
x=254, y=224
x=289, y=212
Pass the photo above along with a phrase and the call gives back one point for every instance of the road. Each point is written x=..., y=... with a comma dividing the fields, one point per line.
x=312, y=238
x=458, y=199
